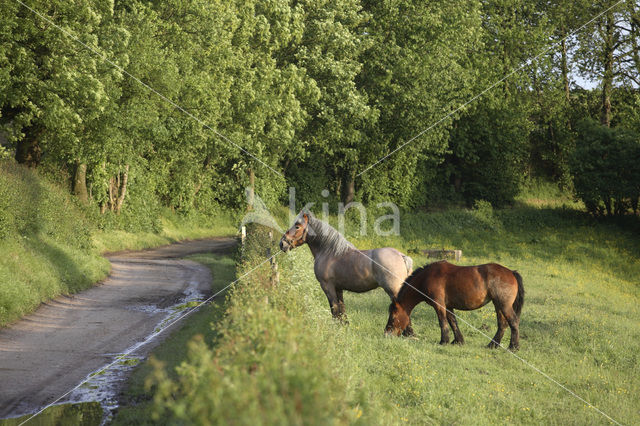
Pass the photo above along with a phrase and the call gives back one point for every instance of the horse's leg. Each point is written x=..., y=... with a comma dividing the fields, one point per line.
x=453, y=322
x=502, y=325
x=514, y=324
x=341, y=310
x=408, y=332
x=442, y=319
x=332, y=297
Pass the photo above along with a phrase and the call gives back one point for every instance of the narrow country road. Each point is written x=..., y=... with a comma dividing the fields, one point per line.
x=52, y=350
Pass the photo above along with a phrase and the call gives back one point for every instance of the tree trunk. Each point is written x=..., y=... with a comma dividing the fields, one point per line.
x=607, y=79
x=122, y=190
x=80, y=183
x=349, y=188
x=565, y=69
x=635, y=35
x=607, y=205
x=112, y=193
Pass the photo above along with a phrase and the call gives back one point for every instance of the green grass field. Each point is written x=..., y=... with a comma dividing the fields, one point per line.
x=281, y=358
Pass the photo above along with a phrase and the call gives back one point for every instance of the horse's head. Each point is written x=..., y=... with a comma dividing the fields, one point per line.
x=398, y=319
x=297, y=234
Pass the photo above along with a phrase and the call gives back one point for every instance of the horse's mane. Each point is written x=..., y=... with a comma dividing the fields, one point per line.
x=324, y=235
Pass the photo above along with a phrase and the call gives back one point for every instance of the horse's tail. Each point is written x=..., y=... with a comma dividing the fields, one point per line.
x=517, y=304
x=408, y=262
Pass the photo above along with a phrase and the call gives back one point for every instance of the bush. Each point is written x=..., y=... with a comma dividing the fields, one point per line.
x=606, y=169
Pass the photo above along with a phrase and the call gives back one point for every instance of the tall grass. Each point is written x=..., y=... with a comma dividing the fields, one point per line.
x=282, y=359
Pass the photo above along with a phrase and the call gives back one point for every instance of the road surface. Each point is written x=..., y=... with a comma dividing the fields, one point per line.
x=49, y=352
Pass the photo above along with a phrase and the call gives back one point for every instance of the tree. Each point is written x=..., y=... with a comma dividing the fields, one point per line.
x=417, y=69
x=607, y=51
x=328, y=51
x=490, y=142
x=606, y=168
x=52, y=89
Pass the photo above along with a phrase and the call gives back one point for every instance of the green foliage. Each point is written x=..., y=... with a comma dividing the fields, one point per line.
x=606, y=169
x=416, y=69
x=184, y=103
x=31, y=207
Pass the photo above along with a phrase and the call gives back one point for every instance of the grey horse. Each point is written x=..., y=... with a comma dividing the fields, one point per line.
x=340, y=266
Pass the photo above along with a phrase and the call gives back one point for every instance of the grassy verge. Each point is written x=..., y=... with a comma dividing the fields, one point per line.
x=51, y=246
x=281, y=359
x=44, y=241
x=82, y=414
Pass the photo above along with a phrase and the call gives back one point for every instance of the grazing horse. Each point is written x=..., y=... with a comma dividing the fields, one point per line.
x=340, y=266
x=447, y=287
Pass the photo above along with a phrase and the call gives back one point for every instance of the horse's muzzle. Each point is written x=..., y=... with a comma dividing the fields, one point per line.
x=284, y=245
x=392, y=331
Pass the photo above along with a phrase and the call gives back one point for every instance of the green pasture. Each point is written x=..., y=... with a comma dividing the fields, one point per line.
x=279, y=358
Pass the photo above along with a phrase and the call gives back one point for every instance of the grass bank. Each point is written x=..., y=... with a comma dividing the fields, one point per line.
x=279, y=358
x=51, y=245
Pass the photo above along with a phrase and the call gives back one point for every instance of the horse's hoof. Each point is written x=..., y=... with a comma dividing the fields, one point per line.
x=443, y=342
x=492, y=345
x=514, y=348
x=458, y=342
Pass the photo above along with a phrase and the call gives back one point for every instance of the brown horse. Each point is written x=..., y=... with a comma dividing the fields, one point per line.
x=447, y=287
x=339, y=266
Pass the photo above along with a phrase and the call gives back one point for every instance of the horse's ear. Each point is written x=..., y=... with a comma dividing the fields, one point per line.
x=305, y=217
